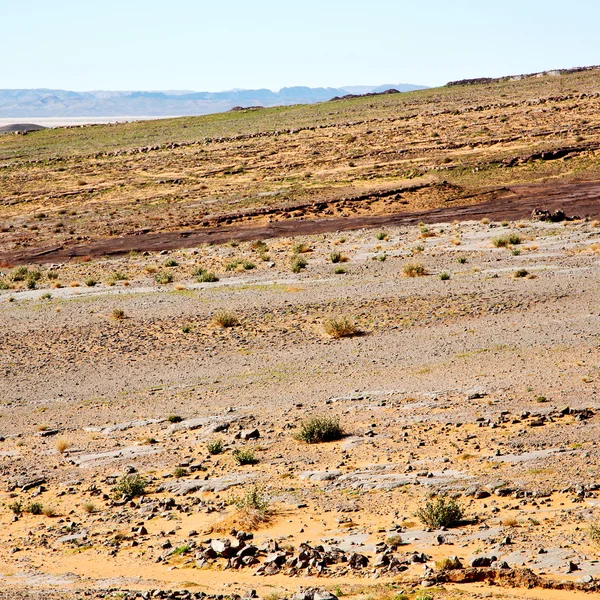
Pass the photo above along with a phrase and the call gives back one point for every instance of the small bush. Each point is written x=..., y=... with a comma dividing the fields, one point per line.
x=461, y=260
x=215, y=447
x=35, y=508
x=186, y=328
x=174, y=419
x=31, y=284
x=52, y=275
x=226, y=319
x=131, y=486
x=90, y=281
x=448, y=564
x=521, y=273
x=245, y=456
x=207, y=277
x=504, y=241
x=259, y=246
x=441, y=511
x=414, y=270
x=300, y=248
x=162, y=277
x=46, y=296
x=240, y=264
x=381, y=235
x=119, y=276
x=298, y=264
x=49, y=511
x=339, y=327
x=319, y=429
x=18, y=274
x=338, y=257
x=171, y=262
x=593, y=532
x=444, y=276
x=118, y=313
x=393, y=541
x=180, y=472
x=16, y=507
x=180, y=550
x=4, y=285
x=340, y=271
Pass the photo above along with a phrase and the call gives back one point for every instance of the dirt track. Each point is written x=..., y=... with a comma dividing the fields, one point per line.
x=575, y=198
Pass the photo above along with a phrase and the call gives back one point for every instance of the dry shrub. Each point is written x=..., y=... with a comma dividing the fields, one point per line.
x=414, y=270
x=226, y=319
x=339, y=327
x=252, y=511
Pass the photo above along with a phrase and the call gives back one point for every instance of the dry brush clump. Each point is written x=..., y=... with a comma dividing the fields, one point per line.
x=319, y=429
x=414, y=270
x=339, y=327
x=226, y=319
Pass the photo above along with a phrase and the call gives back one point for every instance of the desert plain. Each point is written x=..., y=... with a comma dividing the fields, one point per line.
x=182, y=301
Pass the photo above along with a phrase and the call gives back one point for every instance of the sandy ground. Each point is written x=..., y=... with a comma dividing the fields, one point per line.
x=483, y=386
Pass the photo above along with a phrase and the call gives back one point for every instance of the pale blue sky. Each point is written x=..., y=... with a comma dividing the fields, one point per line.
x=218, y=45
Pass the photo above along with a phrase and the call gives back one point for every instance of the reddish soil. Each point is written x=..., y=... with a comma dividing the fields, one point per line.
x=576, y=198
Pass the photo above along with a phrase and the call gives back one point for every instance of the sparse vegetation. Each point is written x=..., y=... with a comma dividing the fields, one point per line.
x=131, y=486
x=441, y=511
x=174, y=419
x=521, y=273
x=62, y=445
x=215, y=447
x=298, y=264
x=240, y=264
x=414, y=270
x=339, y=327
x=338, y=257
x=319, y=429
x=245, y=456
x=226, y=319
x=163, y=277
x=444, y=276
x=507, y=240
x=118, y=314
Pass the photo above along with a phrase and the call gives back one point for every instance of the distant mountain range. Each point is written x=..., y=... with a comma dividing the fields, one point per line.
x=61, y=103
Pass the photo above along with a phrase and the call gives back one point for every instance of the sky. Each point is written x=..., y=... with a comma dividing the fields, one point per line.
x=219, y=45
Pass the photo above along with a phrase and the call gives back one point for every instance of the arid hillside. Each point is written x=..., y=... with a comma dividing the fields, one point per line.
x=373, y=155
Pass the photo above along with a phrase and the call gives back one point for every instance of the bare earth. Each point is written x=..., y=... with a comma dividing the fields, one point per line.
x=483, y=386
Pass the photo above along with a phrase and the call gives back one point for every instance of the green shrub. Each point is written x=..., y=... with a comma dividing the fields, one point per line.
x=131, y=486
x=46, y=296
x=381, y=235
x=593, y=532
x=504, y=241
x=298, y=264
x=18, y=274
x=162, y=277
x=181, y=550
x=444, y=276
x=35, y=508
x=90, y=281
x=340, y=271
x=16, y=507
x=119, y=276
x=207, y=277
x=234, y=265
x=4, y=285
x=319, y=429
x=338, y=257
x=174, y=419
x=171, y=262
x=215, y=447
x=521, y=273
x=179, y=472
x=441, y=511
x=245, y=456
x=462, y=260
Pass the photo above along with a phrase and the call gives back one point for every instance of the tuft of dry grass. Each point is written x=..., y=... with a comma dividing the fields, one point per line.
x=62, y=445
x=226, y=319
x=49, y=511
x=118, y=314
